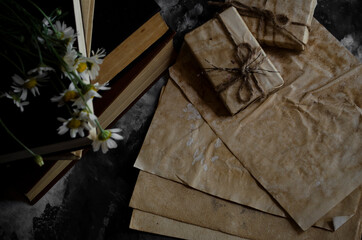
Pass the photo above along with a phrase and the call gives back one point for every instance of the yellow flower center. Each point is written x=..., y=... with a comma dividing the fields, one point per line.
x=81, y=67
x=89, y=87
x=94, y=88
x=70, y=95
x=30, y=84
x=74, y=123
x=104, y=135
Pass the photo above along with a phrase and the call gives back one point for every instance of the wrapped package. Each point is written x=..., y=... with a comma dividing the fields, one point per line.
x=233, y=61
x=280, y=23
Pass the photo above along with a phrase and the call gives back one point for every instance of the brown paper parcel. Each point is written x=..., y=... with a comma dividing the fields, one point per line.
x=189, y=152
x=303, y=143
x=172, y=200
x=233, y=60
x=281, y=23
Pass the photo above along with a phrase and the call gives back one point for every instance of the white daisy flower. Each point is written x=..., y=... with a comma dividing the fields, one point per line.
x=88, y=68
x=90, y=92
x=105, y=140
x=46, y=22
x=65, y=33
x=41, y=69
x=97, y=57
x=47, y=29
x=17, y=101
x=70, y=60
x=85, y=115
x=23, y=86
x=69, y=95
x=74, y=125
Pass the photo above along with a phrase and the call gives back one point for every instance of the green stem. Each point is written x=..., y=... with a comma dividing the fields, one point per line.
x=16, y=139
x=39, y=51
x=15, y=14
x=27, y=51
x=21, y=62
x=46, y=16
x=99, y=126
x=79, y=90
x=13, y=63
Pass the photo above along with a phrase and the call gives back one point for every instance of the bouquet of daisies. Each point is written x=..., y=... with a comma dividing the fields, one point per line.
x=38, y=50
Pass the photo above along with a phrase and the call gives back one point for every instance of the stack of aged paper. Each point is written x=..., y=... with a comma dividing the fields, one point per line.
x=286, y=167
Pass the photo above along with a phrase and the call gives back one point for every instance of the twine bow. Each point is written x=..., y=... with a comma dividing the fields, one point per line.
x=278, y=21
x=249, y=60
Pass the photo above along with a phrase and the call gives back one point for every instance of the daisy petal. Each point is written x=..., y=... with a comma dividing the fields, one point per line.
x=73, y=132
x=18, y=79
x=96, y=145
x=62, y=130
x=81, y=132
x=104, y=147
x=24, y=94
x=111, y=144
x=114, y=130
x=116, y=136
x=37, y=90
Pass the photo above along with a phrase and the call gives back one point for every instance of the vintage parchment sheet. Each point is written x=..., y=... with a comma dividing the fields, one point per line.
x=189, y=152
x=148, y=222
x=303, y=143
x=175, y=201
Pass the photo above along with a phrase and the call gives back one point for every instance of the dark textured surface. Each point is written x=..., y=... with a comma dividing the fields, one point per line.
x=91, y=202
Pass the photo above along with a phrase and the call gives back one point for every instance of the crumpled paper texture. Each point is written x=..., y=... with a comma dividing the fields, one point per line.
x=341, y=213
x=189, y=152
x=298, y=11
x=175, y=201
x=213, y=46
x=148, y=222
x=302, y=143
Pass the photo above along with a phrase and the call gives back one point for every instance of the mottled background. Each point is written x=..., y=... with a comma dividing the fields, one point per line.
x=91, y=201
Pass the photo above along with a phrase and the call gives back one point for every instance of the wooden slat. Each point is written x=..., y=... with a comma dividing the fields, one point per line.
x=131, y=48
x=88, y=15
x=79, y=27
x=138, y=85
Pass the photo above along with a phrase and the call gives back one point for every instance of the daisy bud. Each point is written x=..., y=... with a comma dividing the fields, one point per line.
x=39, y=160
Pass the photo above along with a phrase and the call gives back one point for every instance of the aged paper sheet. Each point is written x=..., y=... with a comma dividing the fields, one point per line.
x=175, y=201
x=302, y=143
x=189, y=152
x=148, y=222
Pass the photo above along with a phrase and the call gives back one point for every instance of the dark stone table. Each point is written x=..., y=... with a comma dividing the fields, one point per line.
x=91, y=201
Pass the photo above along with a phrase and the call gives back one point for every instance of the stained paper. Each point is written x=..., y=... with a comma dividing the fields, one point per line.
x=174, y=201
x=302, y=144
